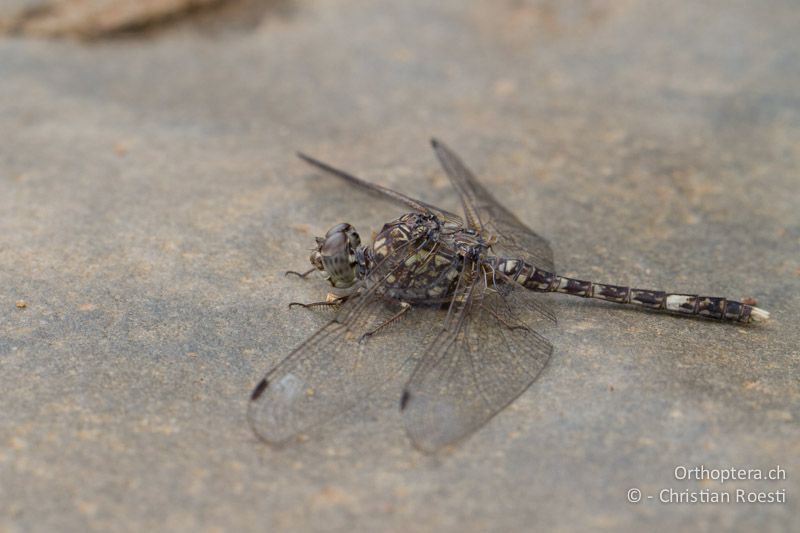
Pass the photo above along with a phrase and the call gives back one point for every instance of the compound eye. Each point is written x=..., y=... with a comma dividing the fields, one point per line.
x=355, y=240
x=338, y=228
x=334, y=244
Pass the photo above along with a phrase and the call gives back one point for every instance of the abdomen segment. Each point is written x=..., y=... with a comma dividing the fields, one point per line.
x=715, y=307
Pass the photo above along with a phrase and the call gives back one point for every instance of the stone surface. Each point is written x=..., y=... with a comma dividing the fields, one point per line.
x=99, y=19
x=150, y=200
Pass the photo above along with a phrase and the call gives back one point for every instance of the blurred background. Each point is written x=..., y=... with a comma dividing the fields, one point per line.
x=150, y=200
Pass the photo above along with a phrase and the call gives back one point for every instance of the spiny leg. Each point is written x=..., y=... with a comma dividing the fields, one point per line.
x=330, y=302
x=404, y=307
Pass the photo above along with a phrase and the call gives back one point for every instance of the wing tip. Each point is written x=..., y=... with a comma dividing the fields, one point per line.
x=304, y=157
x=259, y=390
x=404, y=399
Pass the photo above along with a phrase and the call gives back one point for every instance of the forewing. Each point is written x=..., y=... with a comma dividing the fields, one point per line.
x=334, y=369
x=382, y=192
x=483, y=359
x=484, y=213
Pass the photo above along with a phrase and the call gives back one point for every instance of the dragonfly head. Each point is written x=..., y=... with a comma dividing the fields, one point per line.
x=336, y=255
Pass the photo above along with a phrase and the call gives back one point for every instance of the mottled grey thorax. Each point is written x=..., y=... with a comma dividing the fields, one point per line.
x=431, y=263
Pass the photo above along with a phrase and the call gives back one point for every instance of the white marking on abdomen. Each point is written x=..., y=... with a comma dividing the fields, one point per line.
x=675, y=301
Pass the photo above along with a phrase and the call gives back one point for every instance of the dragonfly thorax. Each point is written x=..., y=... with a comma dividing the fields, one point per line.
x=402, y=232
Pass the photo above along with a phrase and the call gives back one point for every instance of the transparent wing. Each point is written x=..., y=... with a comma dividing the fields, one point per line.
x=382, y=192
x=483, y=359
x=333, y=370
x=484, y=213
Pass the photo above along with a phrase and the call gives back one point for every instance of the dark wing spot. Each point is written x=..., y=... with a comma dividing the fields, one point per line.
x=404, y=399
x=259, y=390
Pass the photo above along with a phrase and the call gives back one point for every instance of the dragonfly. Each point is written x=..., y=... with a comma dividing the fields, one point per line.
x=478, y=276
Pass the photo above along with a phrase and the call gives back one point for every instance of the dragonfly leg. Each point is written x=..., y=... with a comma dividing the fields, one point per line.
x=299, y=274
x=330, y=302
x=404, y=307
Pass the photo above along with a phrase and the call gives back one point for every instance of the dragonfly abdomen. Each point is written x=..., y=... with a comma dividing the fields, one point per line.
x=715, y=307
